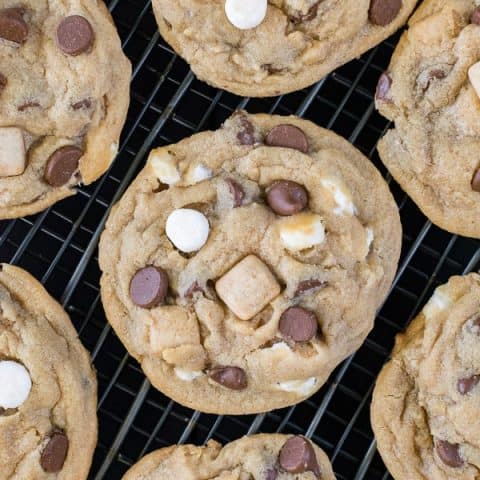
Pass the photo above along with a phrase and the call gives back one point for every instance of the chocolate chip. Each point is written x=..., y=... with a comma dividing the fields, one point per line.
x=192, y=289
x=271, y=474
x=246, y=136
x=475, y=18
x=237, y=192
x=230, y=377
x=466, y=385
x=306, y=17
x=54, y=454
x=27, y=105
x=449, y=453
x=383, y=12
x=476, y=181
x=149, y=287
x=62, y=164
x=298, y=324
x=82, y=104
x=383, y=86
x=308, y=285
x=12, y=25
x=75, y=35
x=3, y=82
x=287, y=198
x=298, y=456
x=287, y=136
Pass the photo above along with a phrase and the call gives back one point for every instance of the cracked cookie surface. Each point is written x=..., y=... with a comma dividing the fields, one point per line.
x=431, y=92
x=48, y=423
x=64, y=95
x=296, y=44
x=265, y=457
x=242, y=265
x=427, y=398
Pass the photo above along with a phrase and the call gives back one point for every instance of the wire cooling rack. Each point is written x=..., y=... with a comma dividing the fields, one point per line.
x=59, y=247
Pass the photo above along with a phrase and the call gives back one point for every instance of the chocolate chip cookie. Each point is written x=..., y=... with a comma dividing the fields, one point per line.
x=427, y=398
x=258, y=48
x=48, y=394
x=64, y=95
x=431, y=91
x=266, y=457
x=243, y=265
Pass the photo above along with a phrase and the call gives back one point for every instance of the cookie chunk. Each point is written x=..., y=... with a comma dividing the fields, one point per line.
x=432, y=93
x=48, y=394
x=243, y=265
x=258, y=48
x=64, y=95
x=268, y=457
x=427, y=398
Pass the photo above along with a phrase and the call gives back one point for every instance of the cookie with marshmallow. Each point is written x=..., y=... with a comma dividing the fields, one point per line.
x=47, y=385
x=242, y=265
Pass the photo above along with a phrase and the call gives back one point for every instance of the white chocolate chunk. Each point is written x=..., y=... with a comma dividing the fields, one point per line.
x=248, y=287
x=300, y=387
x=187, y=375
x=113, y=151
x=15, y=384
x=187, y=229
x=246, y=14
x=341, y=196
x=164, y=166
x=370, y=238
x=198, y=174
x=439, y=301
x=12, y=152
x=301, y=231
x=474, y=76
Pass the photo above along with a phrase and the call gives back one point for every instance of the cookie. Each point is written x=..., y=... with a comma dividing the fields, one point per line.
x=268, y=457
x=242, y=265
x=64, y=95
x=48, y=394
x=258, y=48
x=431, y=92
x=427, y=398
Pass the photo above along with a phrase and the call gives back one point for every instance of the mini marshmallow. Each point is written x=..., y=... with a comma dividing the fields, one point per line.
x=164, y=166
x=12, y=152
x=15, y=384
x=198, y=174
x=474, y=76
x=300, y=387
x=187, y=375
x=246, y=14
x=187, y=229
x=439, y=301
x=341, y=196
x=301, y=231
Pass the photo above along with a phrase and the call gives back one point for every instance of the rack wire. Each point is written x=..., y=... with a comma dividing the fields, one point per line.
x=59, y=247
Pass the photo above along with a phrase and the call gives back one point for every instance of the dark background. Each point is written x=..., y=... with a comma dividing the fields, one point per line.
x=59, y=247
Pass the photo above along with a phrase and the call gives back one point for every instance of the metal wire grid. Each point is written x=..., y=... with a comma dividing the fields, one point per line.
x=59, y=246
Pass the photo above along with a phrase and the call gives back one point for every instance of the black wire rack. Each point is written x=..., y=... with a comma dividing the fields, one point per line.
x=59, y=247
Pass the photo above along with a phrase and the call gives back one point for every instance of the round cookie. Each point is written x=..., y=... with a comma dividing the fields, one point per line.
x=427, y=398
x=431, y=91
x=242, y=265
x=269, y=457
x=252, y=49
x=64, y=95
x=48, y=395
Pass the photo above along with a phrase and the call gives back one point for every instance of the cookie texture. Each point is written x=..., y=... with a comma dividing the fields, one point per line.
x=427, y=398
x=293, y=240
x=64, y=95
x=296, y=43
x=263, y=456
x=431, y=91
x=48, y=423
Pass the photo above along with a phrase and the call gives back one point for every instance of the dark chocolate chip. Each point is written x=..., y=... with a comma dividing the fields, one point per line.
x=383, y=12
x=270, y=68
x=82, y=104
x=75, y=35
x=246, y=136
x=476, y=181
x=306, y=17
x=383, y=86
x=27, y=105
x=230, y=377
x=475, y=18
x=62, y=164
x=54, y=454
x=466, y=385
x=237, y=192
x=3, y=82
x=12, y=25
x=271, y=474
x=287, y=198
x=192, y=289
x=449, y=453
x=309, y=285
x=287, y=136
x=149, y=287
x=298, y=324
x=298, y=456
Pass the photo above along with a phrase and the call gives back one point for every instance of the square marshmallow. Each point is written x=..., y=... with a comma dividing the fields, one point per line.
x=12, y=152
x=248, y=287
